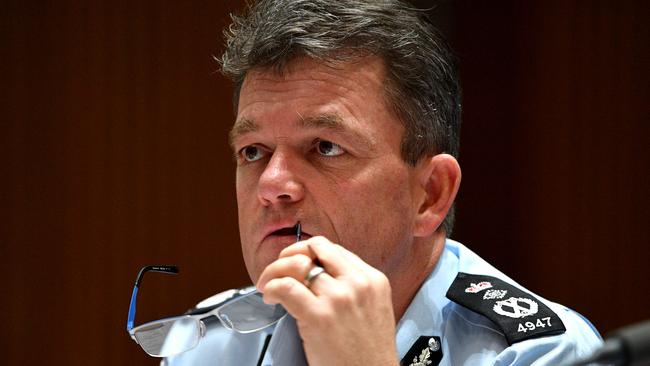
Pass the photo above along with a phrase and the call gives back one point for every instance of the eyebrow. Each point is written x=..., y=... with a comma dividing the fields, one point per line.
x=326, y=121
x=242, y=127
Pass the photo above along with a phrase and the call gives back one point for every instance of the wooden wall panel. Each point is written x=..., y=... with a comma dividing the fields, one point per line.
x=114, y=155
x=114, y=126
x=555, y=149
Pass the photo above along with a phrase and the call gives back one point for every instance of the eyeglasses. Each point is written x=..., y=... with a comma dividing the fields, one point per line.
x=245, y=312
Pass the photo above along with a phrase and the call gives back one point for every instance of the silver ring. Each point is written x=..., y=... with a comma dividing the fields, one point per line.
x=312, y=274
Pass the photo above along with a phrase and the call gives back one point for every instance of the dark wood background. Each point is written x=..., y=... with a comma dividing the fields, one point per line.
x=114, y=155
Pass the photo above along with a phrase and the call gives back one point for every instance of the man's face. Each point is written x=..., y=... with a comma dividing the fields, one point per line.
x=320, y=145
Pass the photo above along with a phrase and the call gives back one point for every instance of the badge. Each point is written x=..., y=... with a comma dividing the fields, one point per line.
x=518, y=313
x=426, y=351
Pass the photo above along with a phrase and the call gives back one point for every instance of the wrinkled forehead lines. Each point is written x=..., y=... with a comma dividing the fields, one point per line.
x=274, y=88
x=299, y=104
x=308, y=89
x=360, y=74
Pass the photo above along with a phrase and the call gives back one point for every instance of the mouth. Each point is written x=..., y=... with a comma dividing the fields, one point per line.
x=294, y=232
x=285, y=231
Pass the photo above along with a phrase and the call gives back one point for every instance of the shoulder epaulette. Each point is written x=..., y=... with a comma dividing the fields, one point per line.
x=518, y=313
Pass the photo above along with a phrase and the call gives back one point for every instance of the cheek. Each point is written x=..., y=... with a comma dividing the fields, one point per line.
x=246, y=197
x=375, y=206
x=245, y=186
x=386, y=186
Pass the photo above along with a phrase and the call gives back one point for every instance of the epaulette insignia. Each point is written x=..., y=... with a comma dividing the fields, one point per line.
x=426, y=351
x=519, y=314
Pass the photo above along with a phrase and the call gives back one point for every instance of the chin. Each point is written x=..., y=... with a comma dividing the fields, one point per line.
x=258, y=264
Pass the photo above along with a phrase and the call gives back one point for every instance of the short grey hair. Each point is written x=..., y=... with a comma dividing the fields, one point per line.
x=422, y=84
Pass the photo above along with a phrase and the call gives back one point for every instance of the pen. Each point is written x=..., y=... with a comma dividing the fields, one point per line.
x=298, y=238
x=298, y=232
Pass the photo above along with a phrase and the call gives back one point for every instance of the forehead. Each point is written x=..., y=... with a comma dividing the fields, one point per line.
x=367, y=73
x=308, y=91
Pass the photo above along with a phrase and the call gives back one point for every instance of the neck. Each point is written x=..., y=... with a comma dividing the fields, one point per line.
x=423, y=259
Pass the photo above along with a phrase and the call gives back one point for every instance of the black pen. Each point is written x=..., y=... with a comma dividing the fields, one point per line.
x=298, y=232
x=298, y=238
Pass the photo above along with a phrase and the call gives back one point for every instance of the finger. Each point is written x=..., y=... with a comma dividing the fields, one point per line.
x=295, y=296
x=300, y=247
x=330, y=254
x=323, y=284
x=296, y=266
x=335, y=259
x=297, y=299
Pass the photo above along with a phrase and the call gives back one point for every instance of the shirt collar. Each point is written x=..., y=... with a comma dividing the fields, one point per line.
x=424, y=314
x=285, y=347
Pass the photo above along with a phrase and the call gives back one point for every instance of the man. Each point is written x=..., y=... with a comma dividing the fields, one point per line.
x=348, y=117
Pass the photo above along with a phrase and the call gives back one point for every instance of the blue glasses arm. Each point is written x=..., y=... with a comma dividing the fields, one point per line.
x=131, y=318
x=157, y=268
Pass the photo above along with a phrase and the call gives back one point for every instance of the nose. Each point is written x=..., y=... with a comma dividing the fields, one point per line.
x=279, y=182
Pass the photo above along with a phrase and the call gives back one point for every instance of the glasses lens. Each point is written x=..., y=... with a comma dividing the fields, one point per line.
x=168, y=337
x=249, y=313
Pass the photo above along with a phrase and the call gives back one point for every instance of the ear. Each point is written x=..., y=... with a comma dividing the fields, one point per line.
x=439, y=178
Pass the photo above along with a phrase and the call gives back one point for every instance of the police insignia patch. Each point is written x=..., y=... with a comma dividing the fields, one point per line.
x=426, y=351
x=519, y=314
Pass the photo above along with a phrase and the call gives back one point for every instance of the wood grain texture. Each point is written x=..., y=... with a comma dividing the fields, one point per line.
x=113, y=140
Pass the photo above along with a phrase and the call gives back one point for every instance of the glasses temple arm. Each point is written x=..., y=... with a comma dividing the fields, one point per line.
x=132, y=305
x=131, y=318
x=160, y=269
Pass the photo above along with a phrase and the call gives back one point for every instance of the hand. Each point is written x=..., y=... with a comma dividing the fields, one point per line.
x=345, y=316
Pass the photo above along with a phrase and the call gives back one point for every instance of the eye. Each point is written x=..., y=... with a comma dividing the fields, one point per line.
x=328, y=148
x=252, y=153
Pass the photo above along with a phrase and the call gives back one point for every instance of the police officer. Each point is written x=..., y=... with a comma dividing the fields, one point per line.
x=348, y=117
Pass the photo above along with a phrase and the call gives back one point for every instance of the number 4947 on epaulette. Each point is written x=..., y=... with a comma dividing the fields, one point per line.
x=530, y=326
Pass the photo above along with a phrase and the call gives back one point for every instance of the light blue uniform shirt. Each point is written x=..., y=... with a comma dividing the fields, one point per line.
x=467, y=338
